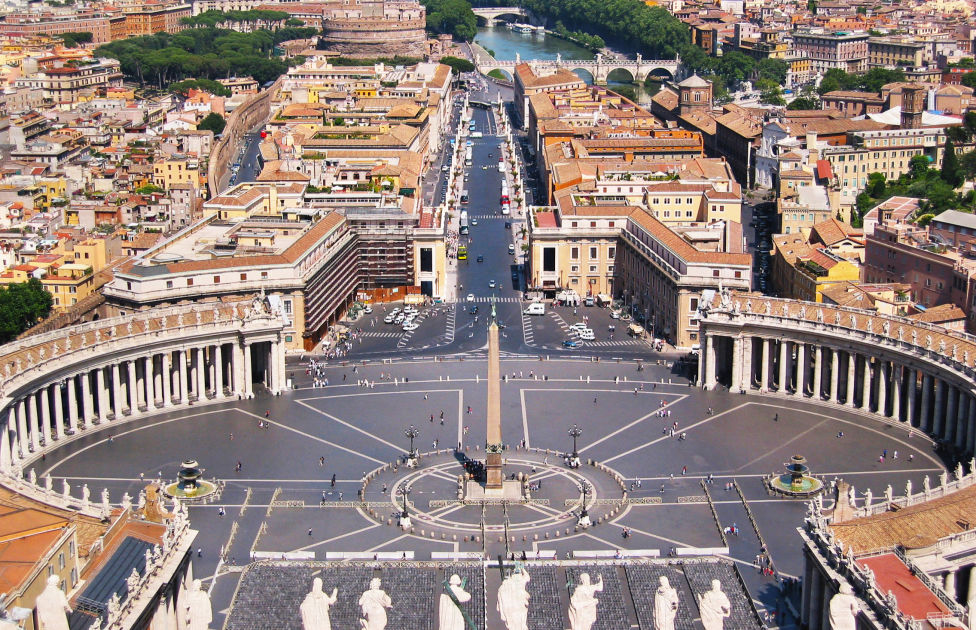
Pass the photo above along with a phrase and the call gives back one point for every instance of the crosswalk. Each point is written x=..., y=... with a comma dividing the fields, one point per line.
x=487, y=217
x=381, y=335
x=616, y=343
x=489, y=300
x=527, y=334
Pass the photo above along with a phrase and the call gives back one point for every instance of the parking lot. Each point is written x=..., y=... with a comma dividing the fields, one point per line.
x=562, y=324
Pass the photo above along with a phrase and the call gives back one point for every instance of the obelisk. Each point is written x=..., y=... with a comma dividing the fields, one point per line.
x=493, y=447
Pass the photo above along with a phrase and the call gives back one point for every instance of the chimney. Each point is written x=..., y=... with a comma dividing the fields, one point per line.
x=814, y=152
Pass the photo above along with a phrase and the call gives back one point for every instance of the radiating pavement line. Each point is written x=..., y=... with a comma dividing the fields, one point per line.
x=314, y=437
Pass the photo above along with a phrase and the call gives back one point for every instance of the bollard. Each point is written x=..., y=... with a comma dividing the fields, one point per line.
x=587, y=380
x=581, y=377
x=389, y=521
x=454, y=537
x=557, y=533
x=535, y=536
x=448, y=377
x=547, y=535
x=477, y=378
x=567, y=531
x=441, y=377
x=423, y=533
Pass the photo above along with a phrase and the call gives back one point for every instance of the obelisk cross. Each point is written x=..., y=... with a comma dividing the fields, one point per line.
x=493, y=445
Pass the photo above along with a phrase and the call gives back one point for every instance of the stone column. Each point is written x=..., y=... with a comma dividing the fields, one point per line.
x=938, y=412
x=201, y=375
x=962, y=419
x=6, y=456
x=834, y=374
x=925, y=412
x=911, y=382
x=866, y=384
x=801, y=369
x=851, y=368
x=950, y=583
x=897, y=373
x=818, y=373
x=32, y=419
x=87, y=413
x=116, y=391
x=237, y=368
x=766, y=368
x=46, y=415
x=218, y=372
x=132, y=388
x=783, y=352
x=58, y=411
x=736, y=384
x=971, y=432
x=952, y=400
x=746, y=364
x=150, y=379
x=709, y=362
x=72, y=403
x=248, y=378
x=181, y=358
x=882, y=388
x=167, y=371
x=102, y=394
x=23, y=437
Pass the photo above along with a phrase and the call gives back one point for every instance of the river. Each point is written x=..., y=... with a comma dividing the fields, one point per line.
x=506, y=44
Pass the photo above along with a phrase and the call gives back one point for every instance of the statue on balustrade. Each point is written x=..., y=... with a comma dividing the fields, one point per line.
x=513, y=600
x=52, y=606
x=665, y=605
x=374, y=603
x=450, y=616
x=315, y=607
x=843, y=609
x=582, y=605
x=714, y=606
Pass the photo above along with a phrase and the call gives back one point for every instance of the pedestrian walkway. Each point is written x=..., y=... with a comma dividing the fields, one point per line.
x=616, y=343
x=389, y=334
x=489, y=300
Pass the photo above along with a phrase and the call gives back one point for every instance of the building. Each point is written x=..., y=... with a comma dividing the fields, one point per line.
x=842, y=50
x=956, y=229
x=374, y=28
x=528, y=82
x=801, y=270
x=888, y=52
x=65, y=84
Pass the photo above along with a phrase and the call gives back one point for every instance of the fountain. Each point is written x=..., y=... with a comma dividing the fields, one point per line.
x=797, y=482
x=190, y=484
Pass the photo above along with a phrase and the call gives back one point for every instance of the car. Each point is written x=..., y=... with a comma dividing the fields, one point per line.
x=389, y=318
x=569, y=343
x=587, y=335
x=508, y=225
x=514, y=275
x=399, y=319
x=481, y=259
x=410, y=325
x=395, y=311
x=474, y=221
x=470, y=297
x=473, y=310
x=367, y=309
x=491, y=284
x=614, y=314
x=410, y=309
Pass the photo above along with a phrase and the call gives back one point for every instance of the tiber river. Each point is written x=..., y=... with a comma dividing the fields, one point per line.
x=506, y=44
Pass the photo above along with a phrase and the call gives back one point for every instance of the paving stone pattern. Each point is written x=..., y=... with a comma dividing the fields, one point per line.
x=700, y=578
x=543, y=599
x=610, y=611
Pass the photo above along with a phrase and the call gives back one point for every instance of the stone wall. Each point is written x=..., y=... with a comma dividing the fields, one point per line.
x=372, y=37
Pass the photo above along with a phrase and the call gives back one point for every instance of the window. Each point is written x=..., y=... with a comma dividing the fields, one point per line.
x=61, y=560
x=169, y=284
x=593, y=223
x=593, y=254
x=189, y=282
x=287, y=306
x=74, y=577
x=216, y=279
x=71, y=548
x=574, y=269
x=128, y=285
x=715, y=273
x=611, y=252
x=288, y=338
x=738, y=274
x=264, y=275
x=592, y=268
x=50, y=570
x=574, y=253
x=693, y=304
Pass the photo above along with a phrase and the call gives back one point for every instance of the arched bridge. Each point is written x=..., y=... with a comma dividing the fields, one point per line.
x=490, y=14
x=599, y=68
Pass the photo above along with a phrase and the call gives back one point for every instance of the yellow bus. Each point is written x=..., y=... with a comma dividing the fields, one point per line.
x=462, y=253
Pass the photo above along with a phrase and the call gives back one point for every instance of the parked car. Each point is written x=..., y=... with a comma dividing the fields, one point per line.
x=569, y=343
x=481, y=259
x=470, y=297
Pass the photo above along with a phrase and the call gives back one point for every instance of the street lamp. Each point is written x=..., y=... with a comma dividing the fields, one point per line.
x=584, y=517
x=404, y=492
x=575, y=431
x=411, y=432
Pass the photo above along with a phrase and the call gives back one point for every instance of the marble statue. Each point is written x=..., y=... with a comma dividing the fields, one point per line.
x=803, y=312
x=128, y=328
x=513, y=601
x=48, y=482
x=943, y=479
x=714, y=606
x=908, y=488
x=665, y=605
x=914, y=337
x=132, y=582
x=837, y=318
x=105, y=502
x=768, y=308
x=85, y=494
x=843, y=609
x=450, y=616
x=889, y=494
x=66, y=489
x=32, y=476
x=959, y=473
x=315, y=607
x=928, y=342
x=868, y=497
x=853, y=322
x=582, y=605
x=786, y=310
x=901, y=333
x=851, y=495
x=198, y=611
x=886, y=328
x=955, y=349
x=942, y=346
x=126, y=501
x=52, y=606
x=926, y=484
x=820, y=315
x=374, y=603
x=748, y=306
x=114, y=606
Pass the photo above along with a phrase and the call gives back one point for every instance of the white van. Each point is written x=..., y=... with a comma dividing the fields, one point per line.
x=536, y=308
x=511, y=248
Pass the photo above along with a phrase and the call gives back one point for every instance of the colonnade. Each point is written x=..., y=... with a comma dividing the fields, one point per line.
x=897, y=381
x=131, y=384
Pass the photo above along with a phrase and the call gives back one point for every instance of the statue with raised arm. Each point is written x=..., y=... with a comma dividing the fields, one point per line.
x=52, y=606
x=199, y=614
x=582, y=605
x=374, y=603
x=714, y=606
x=449, y=615
x=665, y=605
x=315, y=607
x=843, y=609
x=513, y=600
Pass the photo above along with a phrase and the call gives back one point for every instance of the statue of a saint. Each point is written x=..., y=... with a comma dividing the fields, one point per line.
x=513, y=601
x=665, y=605
x=198, y=611
x=449, y=614
x=714, y=606
x=843, y=609
x=65, y=489
x=374, y=603
x=315, y=607
x=52, y=606
x=582, y=605
x=85, y=494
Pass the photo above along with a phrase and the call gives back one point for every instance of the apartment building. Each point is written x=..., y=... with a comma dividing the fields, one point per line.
x=888, y=52
x=527, y=83
x=842, y=50
x=65, y=84
x=801, y=269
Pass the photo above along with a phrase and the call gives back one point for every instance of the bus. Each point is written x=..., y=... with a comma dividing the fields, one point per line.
x=462, y=253
x=468, y=155
x=464, y=222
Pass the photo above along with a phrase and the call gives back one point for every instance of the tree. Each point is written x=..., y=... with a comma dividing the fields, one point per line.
x=773, y=69
x=73, y=38
x=968, y=164
x=457, y=64
x=213, y=122
x=812, y=6
x=453, y=17
x=149, y=189
x=498, y=74
x=626, y=91
x=969, y=80
x=22, y=305
x=876, y=185
x=803, y=102
x=951, y=171
x=918, y=166
x=736, y=66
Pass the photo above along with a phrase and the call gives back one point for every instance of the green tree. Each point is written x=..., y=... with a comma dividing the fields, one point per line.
x=626, y=91
x=967, y=164
x=22, y=305
x=951, y=172
x=876, y=185
x=812, y=6
x=803, y=102
x=736, y=66
x=498, y=74
x=453, y=17
x=969, y=80
x=149, y=189
x=924, y=220
x=73, y=38
x=918, y=166
x=773, y=69
x=212, y=122
x=457, y=64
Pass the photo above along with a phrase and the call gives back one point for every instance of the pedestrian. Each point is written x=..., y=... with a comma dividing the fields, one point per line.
x=309, y=531
x=426, y=396
x=776, y=418
x=594, y=400
x=384, y=488
x=684, y=470
x=321, y=462
x=333, y=480
x=340, y=496
x=894, y=455
x=911, y=456
x=199, y=552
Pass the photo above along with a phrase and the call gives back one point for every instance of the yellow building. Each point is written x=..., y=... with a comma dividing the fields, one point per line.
x=249, y=199
x=176, y=170
x=801, y=271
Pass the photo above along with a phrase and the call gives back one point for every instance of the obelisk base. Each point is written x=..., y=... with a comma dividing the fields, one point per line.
x=493, y=472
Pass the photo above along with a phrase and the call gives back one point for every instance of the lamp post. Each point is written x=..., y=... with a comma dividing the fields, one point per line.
x=584, y=517
x=411, y=432
x=404, y=492
x=575, y=431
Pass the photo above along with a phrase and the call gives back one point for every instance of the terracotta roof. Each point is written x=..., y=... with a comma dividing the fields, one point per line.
x=915, y=600
x=939, y=314
x=680, y=246
x=832, y=231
